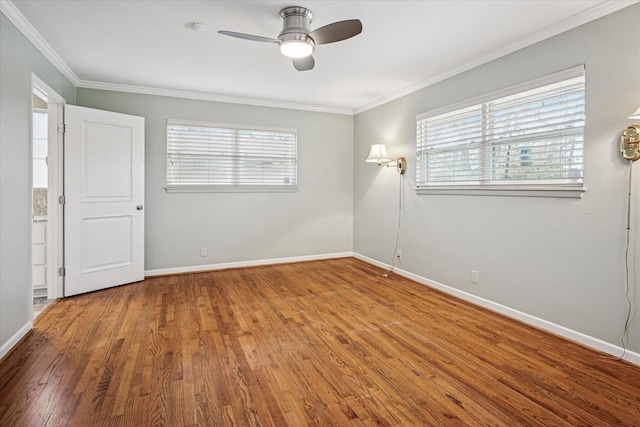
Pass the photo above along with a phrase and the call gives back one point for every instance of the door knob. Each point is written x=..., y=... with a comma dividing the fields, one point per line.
x=139, y=207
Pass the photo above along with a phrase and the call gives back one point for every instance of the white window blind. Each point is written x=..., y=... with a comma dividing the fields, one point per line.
x=208, y=157
x=528, y=140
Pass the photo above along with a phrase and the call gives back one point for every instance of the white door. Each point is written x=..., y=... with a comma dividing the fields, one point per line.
x=104, y=195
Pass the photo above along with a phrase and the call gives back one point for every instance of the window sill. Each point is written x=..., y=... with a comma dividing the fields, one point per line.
x=574, y=191
x=230, y=189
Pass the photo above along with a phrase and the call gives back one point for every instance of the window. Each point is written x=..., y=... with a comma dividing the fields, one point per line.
x=207, y=157
x=524, y=140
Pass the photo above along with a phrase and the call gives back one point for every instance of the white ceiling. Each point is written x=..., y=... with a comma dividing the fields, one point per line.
x=147, y=46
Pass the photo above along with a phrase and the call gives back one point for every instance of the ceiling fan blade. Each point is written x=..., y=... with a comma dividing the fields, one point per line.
x=336, y=32
x=304, y=64
x=248, y=37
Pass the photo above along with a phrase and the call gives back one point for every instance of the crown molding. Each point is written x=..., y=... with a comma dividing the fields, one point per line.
x=25, y=27
x=143, y=90
x=603, y=9
x=14, y=15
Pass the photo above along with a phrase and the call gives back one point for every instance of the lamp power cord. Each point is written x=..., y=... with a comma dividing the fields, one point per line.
x=395, y=248
x=625, y=332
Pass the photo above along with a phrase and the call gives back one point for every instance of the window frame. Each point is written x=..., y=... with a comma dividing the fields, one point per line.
x=484, y=188
x=235, y=186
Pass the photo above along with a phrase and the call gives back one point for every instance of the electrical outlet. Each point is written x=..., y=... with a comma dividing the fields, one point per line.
x=203, y=251
x=398, y=254
x=475, y=277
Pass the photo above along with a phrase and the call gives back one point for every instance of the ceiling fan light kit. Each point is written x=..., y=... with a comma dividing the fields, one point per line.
x=297, y=41
x=297, y=48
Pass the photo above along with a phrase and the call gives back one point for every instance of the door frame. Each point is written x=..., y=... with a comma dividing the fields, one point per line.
x=55, y=223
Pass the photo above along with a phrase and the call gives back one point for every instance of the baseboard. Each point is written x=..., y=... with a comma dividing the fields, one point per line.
x=562, y=331
x=39, y=292
x=15, y=339
x=240, y=264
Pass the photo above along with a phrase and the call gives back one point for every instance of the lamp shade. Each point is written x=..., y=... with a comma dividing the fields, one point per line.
x=635, y=115
x=378, y=154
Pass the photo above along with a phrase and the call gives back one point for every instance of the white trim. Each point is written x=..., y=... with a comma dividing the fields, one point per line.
x=556, y=329
x=25, y=27
x=180, y=140
x=603, y=9
x=532, y=190
x=195, y=188
x=241, y=264
x=551, y=87
x=57, y=215
x=11, y=342
x=211, y=97
x=55, y=237
x=14, y=15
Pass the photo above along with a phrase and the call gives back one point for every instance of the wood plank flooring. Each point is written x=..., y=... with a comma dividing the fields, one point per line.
x=327, y=343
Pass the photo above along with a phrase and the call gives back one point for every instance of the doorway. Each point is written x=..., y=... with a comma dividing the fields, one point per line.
x=46, y=184
x=100, y=156
x=39, y=204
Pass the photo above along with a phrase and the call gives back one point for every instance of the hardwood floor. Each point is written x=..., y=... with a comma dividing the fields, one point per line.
x=330, y=343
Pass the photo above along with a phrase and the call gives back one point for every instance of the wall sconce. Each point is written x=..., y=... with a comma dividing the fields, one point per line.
x=378, y=154
x=630, y=139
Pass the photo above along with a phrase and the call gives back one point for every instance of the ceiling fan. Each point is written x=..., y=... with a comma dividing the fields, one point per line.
x=297, y=41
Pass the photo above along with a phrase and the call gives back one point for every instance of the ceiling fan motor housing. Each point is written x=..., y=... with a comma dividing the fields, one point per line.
x=296, y=24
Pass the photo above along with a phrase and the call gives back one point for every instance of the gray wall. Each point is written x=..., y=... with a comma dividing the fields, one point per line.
x=561, y=260
x=240, y=227
x=557, y=259
x=18, y=60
